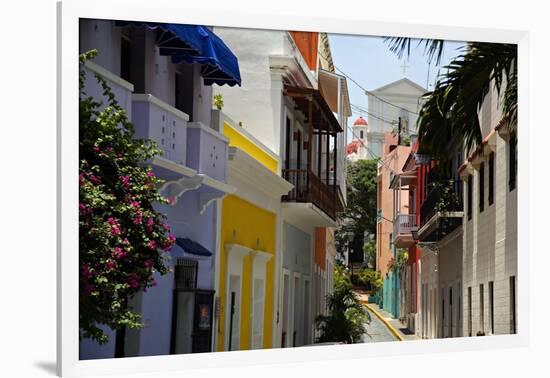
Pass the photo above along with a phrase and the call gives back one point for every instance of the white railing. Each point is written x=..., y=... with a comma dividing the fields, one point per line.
x=167, y=126
x=120, y=87
x=207, y=150
x=404, y=224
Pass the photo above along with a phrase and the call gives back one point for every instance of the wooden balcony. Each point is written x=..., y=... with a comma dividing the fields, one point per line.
x=310, y=188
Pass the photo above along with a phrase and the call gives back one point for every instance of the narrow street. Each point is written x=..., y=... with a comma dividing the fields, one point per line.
x=377, y=331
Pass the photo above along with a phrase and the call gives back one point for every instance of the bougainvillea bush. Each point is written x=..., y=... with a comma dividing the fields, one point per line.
x=123, y=240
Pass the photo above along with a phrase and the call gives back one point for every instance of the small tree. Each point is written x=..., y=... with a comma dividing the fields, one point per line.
x=122, y=238
x=348, y=318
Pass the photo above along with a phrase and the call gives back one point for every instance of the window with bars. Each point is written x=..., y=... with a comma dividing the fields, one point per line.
x=482, y=187
x=469, y=311
x=513, y=320
x=186, y=273
x=491, y=307
x=512, y=161
x=470, y=197
x=481, y=309
x=491, y=178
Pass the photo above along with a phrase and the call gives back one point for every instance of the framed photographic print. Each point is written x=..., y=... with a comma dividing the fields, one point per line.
x=280, y=189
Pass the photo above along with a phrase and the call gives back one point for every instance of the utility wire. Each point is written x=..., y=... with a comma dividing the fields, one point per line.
x=367, y=92
x=362, y=110
x=373, y=155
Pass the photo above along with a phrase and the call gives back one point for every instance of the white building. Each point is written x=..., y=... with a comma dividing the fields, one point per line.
x=386, y=105
x=490, y=227
x=292, y=102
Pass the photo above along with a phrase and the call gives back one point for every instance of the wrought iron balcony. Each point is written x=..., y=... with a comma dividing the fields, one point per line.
x=442, y=210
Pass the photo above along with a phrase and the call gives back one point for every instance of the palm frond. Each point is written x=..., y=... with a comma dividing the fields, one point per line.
x=401, y=46
x=450, y=113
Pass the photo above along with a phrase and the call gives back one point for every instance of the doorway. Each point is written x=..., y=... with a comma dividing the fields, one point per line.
x=285, y=310
x=234, y=313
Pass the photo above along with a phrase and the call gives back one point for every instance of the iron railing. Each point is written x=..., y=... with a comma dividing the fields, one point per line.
x=404, y=224
x=443, y=196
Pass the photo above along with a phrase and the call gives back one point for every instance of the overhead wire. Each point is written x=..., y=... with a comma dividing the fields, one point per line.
x=366, y=91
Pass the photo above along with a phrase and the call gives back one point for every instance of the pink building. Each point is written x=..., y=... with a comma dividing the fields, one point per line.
x=394, y=157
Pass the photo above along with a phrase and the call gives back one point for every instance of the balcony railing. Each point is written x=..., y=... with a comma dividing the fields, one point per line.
x=309, y=188
x=404, y=224
x=444, y=197
x=120, y=87
x=207, y=151
x=167, y=126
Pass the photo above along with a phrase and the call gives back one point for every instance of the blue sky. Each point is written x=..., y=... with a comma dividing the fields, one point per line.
x=369, y=61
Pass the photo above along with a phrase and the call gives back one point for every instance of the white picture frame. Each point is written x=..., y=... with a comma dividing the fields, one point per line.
x=68, y=12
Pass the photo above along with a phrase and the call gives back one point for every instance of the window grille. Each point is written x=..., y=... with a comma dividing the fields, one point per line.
x=186, y=273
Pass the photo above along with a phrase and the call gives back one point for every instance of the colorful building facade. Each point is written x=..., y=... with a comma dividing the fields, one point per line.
x=168, y=99
x=386, y=252
x=249, y=244
x=295, y=106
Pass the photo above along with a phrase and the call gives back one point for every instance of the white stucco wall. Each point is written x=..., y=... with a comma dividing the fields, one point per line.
x=402, y=94
x=490, y=248
x=261, y=115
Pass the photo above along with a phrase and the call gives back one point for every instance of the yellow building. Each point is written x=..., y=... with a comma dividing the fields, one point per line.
x=248, y=260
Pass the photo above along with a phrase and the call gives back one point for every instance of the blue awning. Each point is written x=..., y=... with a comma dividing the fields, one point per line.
x=192, y=247
x=196, y=44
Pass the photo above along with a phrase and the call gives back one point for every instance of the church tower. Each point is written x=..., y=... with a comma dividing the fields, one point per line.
x=356, y=149
x=360, y=129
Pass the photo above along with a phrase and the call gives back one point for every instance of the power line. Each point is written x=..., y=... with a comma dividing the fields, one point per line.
x=367, y=92
x=362, y=110
x=369, y=150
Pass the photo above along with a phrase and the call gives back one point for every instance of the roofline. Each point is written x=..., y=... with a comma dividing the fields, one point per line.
x=405, y=79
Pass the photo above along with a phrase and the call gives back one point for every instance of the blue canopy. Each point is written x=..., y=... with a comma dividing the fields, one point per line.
x=192, y=247
x=196, y=43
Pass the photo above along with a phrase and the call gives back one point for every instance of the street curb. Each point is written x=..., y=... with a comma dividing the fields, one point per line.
x=386, y=323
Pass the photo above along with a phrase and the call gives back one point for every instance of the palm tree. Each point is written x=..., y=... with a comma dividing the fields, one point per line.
x=347, y=317
x=450, y=111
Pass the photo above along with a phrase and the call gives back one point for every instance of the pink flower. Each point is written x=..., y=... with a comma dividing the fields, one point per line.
x=125, y=181
x=119, y=253
x=95, y=179
x=115, y=230
x=110, y=264
x=152, y=245
x=133, y=281
x=81, y=179
x=150, y=222
x=135, y=204
x=112, y=221
x=148, y=263
x=171, y=200
x=150, y=174
x=96, y=149
x=169, y=244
